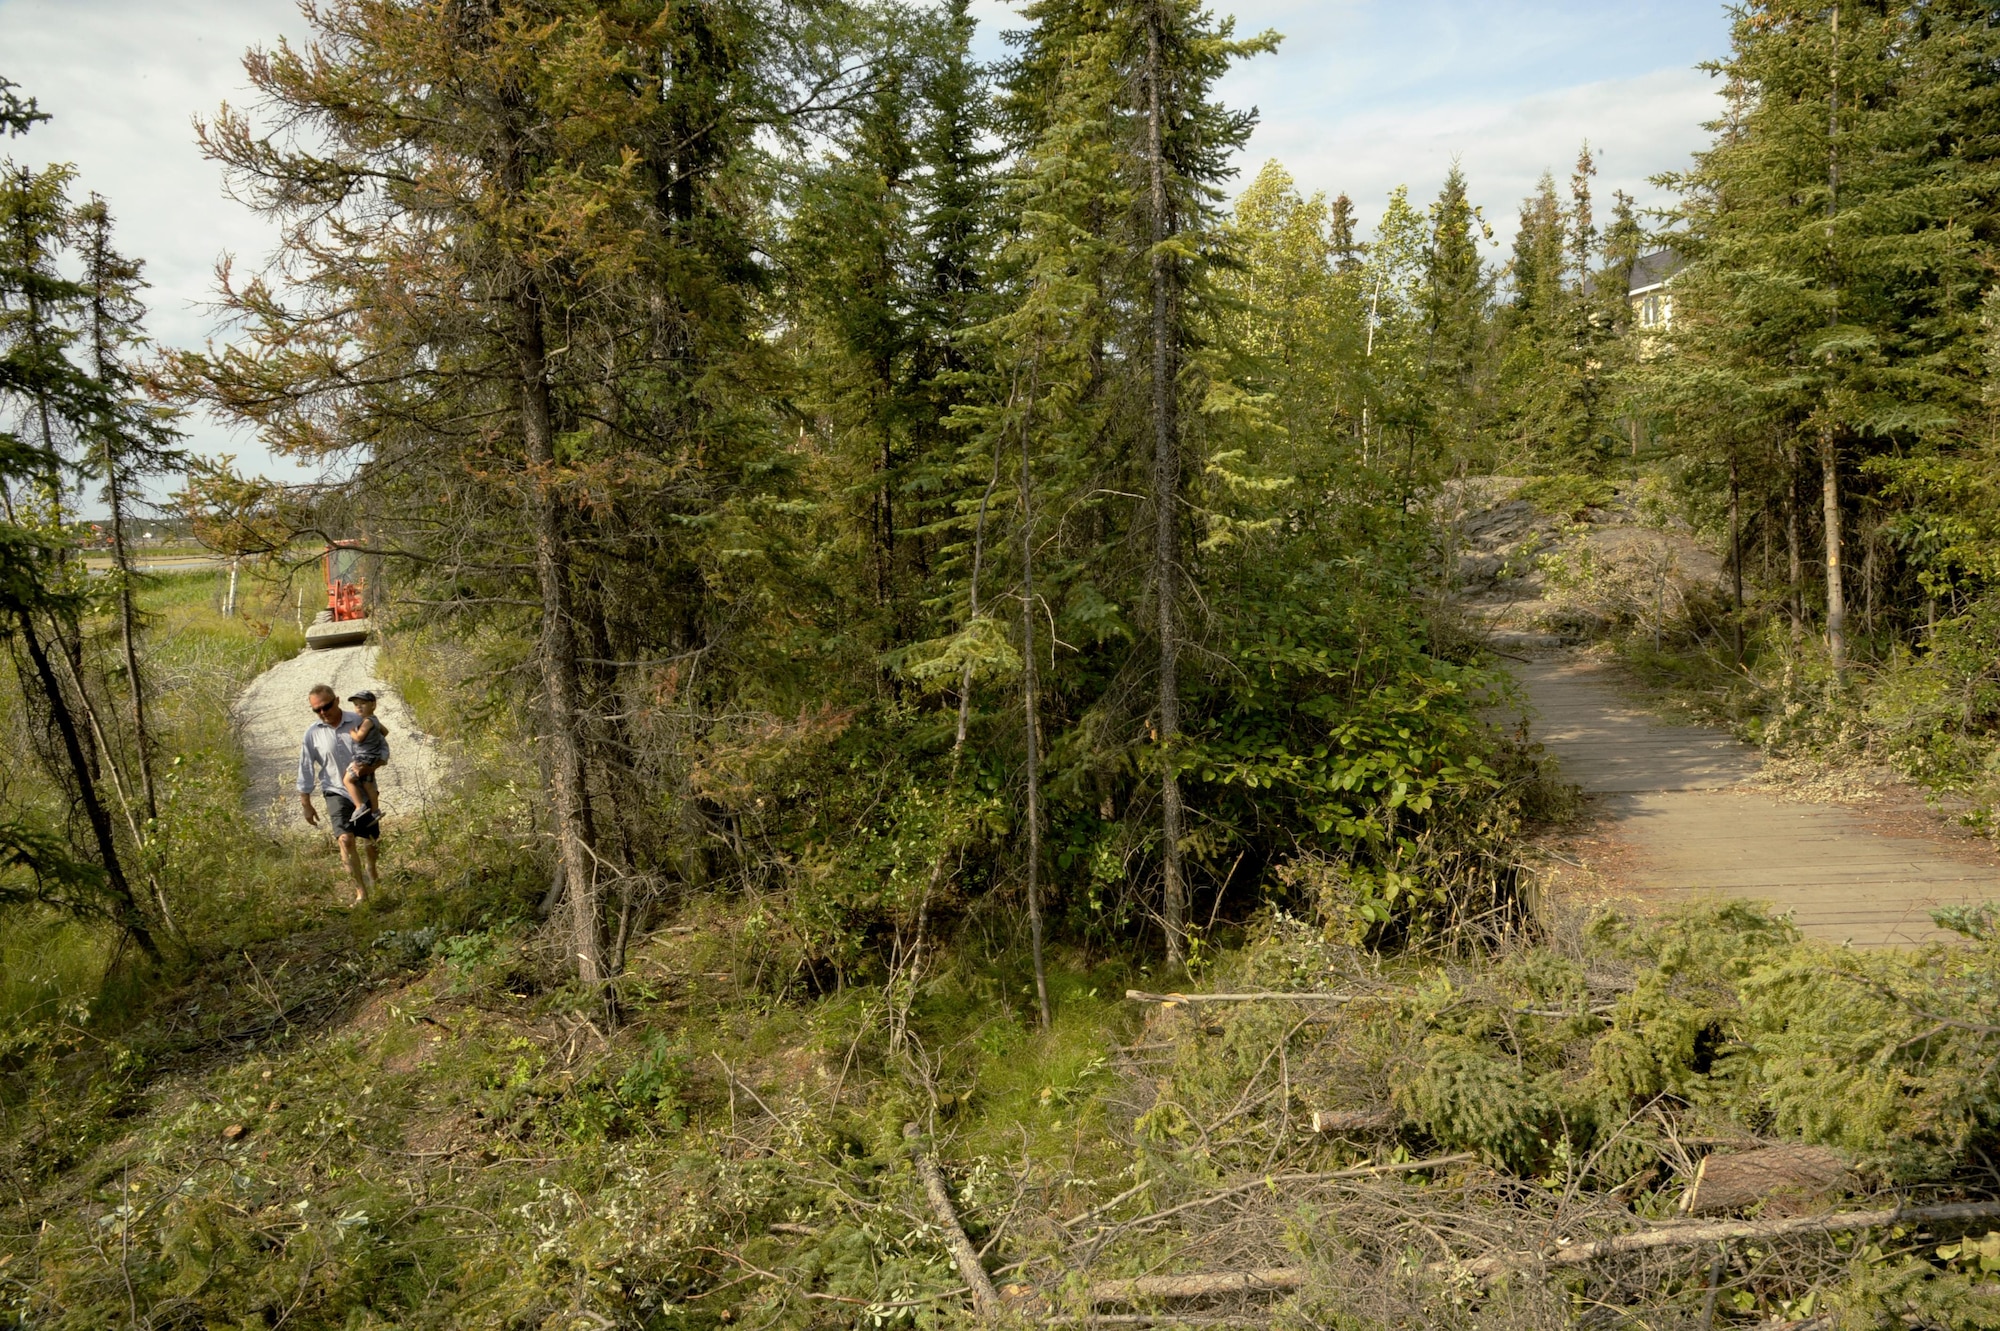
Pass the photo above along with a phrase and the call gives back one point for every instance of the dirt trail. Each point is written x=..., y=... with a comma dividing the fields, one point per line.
x=1678, y=819
x=271, y=719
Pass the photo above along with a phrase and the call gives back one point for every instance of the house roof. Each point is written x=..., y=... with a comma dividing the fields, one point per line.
x=1652, y=270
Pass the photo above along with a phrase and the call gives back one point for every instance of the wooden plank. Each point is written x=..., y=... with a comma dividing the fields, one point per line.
x=1680, y=825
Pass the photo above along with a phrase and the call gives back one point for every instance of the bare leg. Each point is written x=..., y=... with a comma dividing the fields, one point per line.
x=356, y=788
x=352, y=859
x=369, y=849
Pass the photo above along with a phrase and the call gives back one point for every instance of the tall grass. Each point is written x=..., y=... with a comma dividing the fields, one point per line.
x=213, y=864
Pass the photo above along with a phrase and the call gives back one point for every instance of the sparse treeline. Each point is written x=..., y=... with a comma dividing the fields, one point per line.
x=78, y=808
x=887, y=483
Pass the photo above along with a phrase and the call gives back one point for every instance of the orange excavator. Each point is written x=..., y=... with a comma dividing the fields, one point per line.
x=345, y=621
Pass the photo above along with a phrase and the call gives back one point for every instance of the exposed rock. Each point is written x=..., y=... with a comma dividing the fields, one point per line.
x=1533, y=577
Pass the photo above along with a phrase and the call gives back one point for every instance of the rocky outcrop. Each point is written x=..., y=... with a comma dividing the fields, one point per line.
x=1545, y=564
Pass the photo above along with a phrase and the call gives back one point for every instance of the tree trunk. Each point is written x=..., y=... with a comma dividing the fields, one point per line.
x=1829, y=456
x=1736, y=559
x=985, y=1299
x=1795, y=564
x=972, y=606
x=142, y=738
x=1870, y=571
x=555, y=651
x=1836, y=597
x=1031, y=705
x=885, y=503
x=110, y=769
x=1166, y=505
x=124, y=905
x=114, y=488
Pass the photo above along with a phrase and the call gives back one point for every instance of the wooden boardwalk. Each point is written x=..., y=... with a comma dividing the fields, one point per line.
x=1678, y=822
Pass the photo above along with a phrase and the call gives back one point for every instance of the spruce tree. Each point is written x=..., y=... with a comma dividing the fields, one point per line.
x=1456, y=293
x=42, y=597
x=522, y=298
x=1835, y=229
x=1185, y=138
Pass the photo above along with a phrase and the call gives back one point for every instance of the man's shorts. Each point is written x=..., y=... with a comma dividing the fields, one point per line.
x=340, y=811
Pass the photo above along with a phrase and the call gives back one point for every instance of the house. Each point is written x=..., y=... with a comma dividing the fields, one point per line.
x=1652, y=303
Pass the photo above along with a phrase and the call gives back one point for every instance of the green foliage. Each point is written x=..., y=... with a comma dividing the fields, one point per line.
x=1566, y=494
x=1833, y=317
x=1558, y=349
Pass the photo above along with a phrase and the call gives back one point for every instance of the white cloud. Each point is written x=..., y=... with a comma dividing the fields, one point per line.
x=1637, y=127
x=122, y=81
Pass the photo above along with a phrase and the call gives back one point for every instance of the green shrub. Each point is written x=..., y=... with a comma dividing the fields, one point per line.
x=1566, y=494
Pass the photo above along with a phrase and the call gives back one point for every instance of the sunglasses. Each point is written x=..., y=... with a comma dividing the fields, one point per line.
x=325, y=707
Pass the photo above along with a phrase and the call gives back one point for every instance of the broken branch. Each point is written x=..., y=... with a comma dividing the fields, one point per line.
x=1688, y=1236
x=984, y=1297
x=1279, y=1279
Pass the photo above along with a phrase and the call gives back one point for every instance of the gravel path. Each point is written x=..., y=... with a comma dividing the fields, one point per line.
x=271, y=719
x=1679, y=820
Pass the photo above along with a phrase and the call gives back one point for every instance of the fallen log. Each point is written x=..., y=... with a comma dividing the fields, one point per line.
x=1353, y=1120
x=1282, y=1279
x=1142, y=996
x=1266, y=1280
x=1733, y=1180
x=1149, y=1320
x=1308, y=996
x=985, y=1299
x=1715, y=1231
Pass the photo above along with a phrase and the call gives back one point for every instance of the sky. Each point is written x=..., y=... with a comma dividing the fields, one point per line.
x=1361, y=96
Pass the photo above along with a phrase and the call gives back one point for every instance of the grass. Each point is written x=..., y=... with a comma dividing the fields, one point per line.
x=210, y=862
x=390, y=1120
x=48, y=963
x=405, y=1116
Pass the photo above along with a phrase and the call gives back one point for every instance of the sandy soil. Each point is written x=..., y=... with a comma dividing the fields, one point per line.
x=271, y=720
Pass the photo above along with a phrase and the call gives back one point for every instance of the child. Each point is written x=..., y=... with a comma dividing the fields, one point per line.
x=371, y=750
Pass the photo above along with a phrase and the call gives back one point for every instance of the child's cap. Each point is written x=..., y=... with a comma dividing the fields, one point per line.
x=366, y=695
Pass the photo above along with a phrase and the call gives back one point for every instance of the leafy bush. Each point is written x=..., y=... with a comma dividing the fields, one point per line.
x=1567, y=494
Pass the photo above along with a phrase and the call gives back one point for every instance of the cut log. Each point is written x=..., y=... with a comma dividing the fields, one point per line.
x=1717, y=1231
x=1266, y=1280
x=1275, y=996
x=966, y=1257
x=1733, y=1181
x=1353, y=1120
x=338, y=633
x=1147, y=1319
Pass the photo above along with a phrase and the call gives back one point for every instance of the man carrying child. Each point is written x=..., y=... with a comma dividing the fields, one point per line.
x=338, y=758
